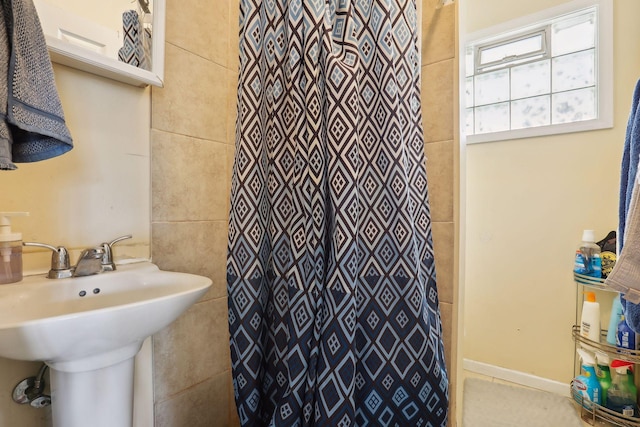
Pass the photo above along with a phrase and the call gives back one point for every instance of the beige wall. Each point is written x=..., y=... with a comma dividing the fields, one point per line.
x=105, y=13
x=527, y=203
x=439, y=71
x=94, y=193
x=192, y=140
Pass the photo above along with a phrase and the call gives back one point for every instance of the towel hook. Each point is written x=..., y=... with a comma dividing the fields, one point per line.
x=144, y=4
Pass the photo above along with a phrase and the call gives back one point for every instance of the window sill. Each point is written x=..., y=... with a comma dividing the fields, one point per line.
x=587, y=125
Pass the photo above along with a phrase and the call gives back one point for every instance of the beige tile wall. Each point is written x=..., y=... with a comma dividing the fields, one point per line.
x=192, y=152
x=439, y=75
x=191, y=155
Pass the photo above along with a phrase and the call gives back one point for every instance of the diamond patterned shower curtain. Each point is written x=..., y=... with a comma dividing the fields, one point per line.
x=333, y=306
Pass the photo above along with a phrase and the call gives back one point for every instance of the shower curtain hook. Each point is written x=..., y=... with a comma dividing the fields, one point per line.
x=444, y=3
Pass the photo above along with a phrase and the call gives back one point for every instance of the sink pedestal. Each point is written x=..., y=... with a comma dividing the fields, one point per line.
x=98, y=398
x=88, y=331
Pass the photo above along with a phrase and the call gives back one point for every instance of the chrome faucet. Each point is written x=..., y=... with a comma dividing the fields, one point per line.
x=91, y=261
x=97, y=260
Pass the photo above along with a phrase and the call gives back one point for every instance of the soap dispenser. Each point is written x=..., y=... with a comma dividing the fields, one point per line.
x=10, y=250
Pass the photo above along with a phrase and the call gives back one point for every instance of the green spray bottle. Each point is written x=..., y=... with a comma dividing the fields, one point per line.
x=622, y=395
x=604, y=375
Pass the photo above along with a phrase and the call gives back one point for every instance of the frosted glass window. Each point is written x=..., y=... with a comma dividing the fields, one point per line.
x=468, y=91
x=574, y=106
x=531, y=112
x=491, y=87
x=541, y=78
x=468, y=122
x=531, y=79
x=574, y=71
x=573, y=34
x=492, y=118
x=516, y=49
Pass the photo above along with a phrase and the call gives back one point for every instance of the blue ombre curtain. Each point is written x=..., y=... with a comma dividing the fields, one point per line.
x=333, y=306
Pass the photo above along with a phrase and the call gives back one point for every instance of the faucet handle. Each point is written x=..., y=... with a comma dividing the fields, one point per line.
x=60, y=265
x=107, y=257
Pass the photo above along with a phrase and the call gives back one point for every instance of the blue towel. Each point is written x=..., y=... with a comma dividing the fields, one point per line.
x=629, y=166
x=629, y=169
x=32, y=125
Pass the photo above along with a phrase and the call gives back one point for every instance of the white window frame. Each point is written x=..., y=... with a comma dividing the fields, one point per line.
x=604, y=68
x=479, y=68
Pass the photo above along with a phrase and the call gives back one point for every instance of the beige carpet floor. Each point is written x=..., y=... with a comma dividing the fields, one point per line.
x=489, y=404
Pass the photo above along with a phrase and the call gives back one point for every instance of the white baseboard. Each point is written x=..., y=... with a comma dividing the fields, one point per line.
x=517, y=377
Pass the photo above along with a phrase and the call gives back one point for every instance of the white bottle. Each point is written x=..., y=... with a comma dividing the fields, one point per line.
x=590, y=320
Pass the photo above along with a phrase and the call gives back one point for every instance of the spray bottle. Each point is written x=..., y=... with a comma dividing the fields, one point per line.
x=604, y=374
x=622, y=394
x=587, y=385
x=10, y=250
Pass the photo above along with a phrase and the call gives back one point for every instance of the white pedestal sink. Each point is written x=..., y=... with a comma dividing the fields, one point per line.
x=88, y=331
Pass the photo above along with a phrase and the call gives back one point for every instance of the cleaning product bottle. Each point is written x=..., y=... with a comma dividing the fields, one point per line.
x=614, y=320
x=626, y=337
x=588, y=261
x=10, y=250
x=631, y=381
x=622, y=395
x=590, y=320
x=604, y=375
x=586, y=387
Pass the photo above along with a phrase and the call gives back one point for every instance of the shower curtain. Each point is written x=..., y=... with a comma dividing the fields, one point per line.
x=333, y=306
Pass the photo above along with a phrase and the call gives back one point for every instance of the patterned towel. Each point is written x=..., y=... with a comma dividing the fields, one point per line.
x=32, y=126
x=136, y=48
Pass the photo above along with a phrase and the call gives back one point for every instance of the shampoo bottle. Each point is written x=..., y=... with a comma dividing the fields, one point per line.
x=590, y=319
x=588, y=261
x=586, y=387
x=10, y=250
x=614, y=320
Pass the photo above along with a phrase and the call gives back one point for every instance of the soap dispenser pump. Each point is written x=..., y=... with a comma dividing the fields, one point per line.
x=10, y=249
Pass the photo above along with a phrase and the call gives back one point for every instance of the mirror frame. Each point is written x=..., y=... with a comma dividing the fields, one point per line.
x=72, y=55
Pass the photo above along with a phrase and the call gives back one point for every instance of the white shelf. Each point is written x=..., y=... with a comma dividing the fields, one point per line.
x=77, y=57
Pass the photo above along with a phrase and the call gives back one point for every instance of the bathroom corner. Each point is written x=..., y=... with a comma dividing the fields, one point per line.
x=439, y=107
x=192, y=148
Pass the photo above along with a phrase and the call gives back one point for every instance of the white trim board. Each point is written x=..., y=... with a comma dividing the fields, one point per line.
x=517, y=377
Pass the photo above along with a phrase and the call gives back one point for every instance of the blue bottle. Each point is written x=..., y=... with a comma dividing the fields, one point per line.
x=626, y=337
x=586, y=387
x=614, y=320
x=588, y=261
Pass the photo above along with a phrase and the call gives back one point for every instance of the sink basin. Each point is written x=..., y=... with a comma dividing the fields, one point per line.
x=86, y=323
x=88, y=331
